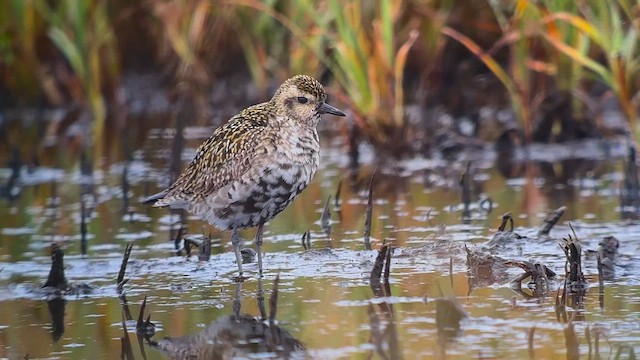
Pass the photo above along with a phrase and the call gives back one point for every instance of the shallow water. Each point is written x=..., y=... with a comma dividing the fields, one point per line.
x=325, y=300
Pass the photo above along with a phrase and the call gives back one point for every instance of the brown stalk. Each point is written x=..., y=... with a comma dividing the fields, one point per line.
x=368, y=215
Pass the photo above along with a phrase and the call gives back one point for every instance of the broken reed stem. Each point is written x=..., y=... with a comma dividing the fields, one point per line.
x=125, y=188
x=125, y=306
x=56, y=276
x=387, y=264
x=336, y=201
x=376, y=272
x=551, y=220
x=140, y=322
x=83, y=226
x=120, y=281
x=368, y=215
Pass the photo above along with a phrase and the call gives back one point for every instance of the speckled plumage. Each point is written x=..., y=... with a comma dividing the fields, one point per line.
x=254, y=166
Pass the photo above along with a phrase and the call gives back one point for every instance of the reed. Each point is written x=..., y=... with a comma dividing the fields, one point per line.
x=67, y=52
x=82, y=31
x=610, y=31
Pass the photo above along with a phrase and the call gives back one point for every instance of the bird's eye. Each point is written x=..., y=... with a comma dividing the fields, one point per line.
x=302, y=100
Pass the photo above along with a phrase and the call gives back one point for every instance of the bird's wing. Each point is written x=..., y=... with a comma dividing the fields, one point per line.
x=224, y=156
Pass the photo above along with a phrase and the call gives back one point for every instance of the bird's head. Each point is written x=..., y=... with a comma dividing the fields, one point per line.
x=302, y=98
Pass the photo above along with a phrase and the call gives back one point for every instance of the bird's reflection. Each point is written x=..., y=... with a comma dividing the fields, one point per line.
x=384, y=335
x=237, y=335
x=56, y=307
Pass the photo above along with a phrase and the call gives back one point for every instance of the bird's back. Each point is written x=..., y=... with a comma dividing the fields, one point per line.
x=226, y=155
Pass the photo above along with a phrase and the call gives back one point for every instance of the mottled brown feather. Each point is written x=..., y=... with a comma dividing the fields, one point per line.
x=224, y=156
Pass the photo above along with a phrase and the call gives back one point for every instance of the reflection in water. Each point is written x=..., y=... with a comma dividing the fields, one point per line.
x=56, y=310
x=449, y=314
x=237, y=335
x=384, y=335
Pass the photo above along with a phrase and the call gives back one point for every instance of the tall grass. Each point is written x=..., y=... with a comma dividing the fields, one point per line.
x=82, y=31
x=20, y=26
x=363, y=46
x=613, y=28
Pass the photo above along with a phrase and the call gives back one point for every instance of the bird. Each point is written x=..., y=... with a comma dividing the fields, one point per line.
x=253, y=166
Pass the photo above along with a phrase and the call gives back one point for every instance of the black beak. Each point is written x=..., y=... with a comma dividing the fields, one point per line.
x=325, y=108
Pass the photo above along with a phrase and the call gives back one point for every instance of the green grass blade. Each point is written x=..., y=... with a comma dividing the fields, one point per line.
x=69, y=49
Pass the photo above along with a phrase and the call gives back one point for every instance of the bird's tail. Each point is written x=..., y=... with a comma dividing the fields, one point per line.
x=151, y=200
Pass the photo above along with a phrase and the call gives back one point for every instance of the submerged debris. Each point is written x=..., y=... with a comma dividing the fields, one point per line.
x=486, y=269
x=539, y=274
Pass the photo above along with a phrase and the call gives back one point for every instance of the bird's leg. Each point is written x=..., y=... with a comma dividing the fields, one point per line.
x=259, y=246
x=235, y=241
